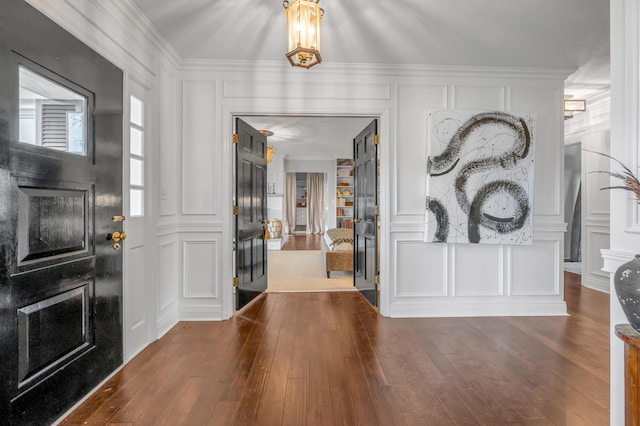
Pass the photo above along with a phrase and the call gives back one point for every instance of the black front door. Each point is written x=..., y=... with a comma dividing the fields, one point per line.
x=251, y=199
x=365, y=222
x=60, y=187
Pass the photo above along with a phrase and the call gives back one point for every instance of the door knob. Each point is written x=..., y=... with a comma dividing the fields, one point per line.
x=117, y=236
x=356, y=221
x=118, y=218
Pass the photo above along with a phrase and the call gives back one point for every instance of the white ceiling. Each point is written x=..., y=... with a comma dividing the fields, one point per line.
x=496, y=33
x=310, y=138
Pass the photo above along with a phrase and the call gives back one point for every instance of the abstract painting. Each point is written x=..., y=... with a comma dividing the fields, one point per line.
x=479, y=177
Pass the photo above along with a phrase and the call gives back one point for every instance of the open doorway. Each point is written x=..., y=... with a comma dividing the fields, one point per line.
x=302, y=148
x=573, y=209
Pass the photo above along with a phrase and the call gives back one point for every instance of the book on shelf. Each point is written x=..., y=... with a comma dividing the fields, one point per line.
x=346, y=223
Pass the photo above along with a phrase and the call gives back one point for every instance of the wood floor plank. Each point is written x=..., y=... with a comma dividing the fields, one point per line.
x=330, y=359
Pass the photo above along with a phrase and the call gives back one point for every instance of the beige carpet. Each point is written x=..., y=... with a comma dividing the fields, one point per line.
x=303, y=270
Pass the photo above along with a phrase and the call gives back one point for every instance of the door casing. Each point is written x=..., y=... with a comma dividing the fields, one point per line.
x=246, y=108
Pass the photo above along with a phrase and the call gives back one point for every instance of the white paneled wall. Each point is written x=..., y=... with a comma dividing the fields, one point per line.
x=465, y=280
x=418, y=279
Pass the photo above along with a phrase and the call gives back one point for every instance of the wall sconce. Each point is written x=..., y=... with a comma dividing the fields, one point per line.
x=270, y=151
x=572, y=106
x=303, y=32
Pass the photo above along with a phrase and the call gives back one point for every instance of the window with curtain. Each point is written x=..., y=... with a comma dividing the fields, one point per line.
x=315, y=206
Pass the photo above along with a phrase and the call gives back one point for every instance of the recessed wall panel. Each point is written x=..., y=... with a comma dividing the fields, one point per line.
x=135, y=288
x=478, y=270
x=167, y=289
x=409, y=170
x=200, y=269
x=421, y=269
x=596, y=238
x=168, y=175
x=545, y=103
x=478, y=98
x=534, y=269
x=596, y=201
x=200, y=153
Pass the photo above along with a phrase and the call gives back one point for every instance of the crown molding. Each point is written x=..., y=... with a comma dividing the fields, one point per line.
x=93, y=22
x=138, y=19
x=394, y=70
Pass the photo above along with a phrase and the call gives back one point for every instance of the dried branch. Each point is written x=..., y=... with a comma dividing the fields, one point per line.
x=630, y=181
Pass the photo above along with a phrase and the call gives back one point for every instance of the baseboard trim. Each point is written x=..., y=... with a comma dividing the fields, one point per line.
x=432, y=310
x=200, y=313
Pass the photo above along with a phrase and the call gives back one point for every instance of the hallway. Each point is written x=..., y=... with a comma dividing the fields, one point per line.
x=303, y=242
x=328, y=358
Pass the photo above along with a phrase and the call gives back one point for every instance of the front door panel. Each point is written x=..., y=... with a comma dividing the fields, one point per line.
x=60, y=186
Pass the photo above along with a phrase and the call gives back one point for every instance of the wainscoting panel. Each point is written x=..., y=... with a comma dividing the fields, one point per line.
x=596, y=238
x=135, y=301
x=535, y=270
x=168, y=277
x=477, y=270
x=200, y=269
x=421, y=269
x=168, y=283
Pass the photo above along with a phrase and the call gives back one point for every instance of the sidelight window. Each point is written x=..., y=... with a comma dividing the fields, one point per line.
x=136, y=156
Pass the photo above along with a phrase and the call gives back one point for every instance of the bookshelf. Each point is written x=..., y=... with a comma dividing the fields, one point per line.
x=344, y=193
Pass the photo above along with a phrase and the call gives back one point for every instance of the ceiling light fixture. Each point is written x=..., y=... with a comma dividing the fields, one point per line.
x=303, y=32
x=572, y=106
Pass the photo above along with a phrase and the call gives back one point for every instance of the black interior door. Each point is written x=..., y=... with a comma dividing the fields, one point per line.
x=365, y=222
x=251, y=199
x=60, y=186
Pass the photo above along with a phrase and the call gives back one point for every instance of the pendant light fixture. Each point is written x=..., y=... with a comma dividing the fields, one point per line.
x=303, y=32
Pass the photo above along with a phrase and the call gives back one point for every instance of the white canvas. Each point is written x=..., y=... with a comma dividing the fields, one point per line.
x=479, y=177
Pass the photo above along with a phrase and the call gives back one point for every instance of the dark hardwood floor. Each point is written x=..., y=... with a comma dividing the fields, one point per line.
x=303, y=242
x=329, y=359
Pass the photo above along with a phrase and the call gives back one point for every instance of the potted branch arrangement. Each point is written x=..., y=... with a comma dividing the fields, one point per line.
x=627, y=277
